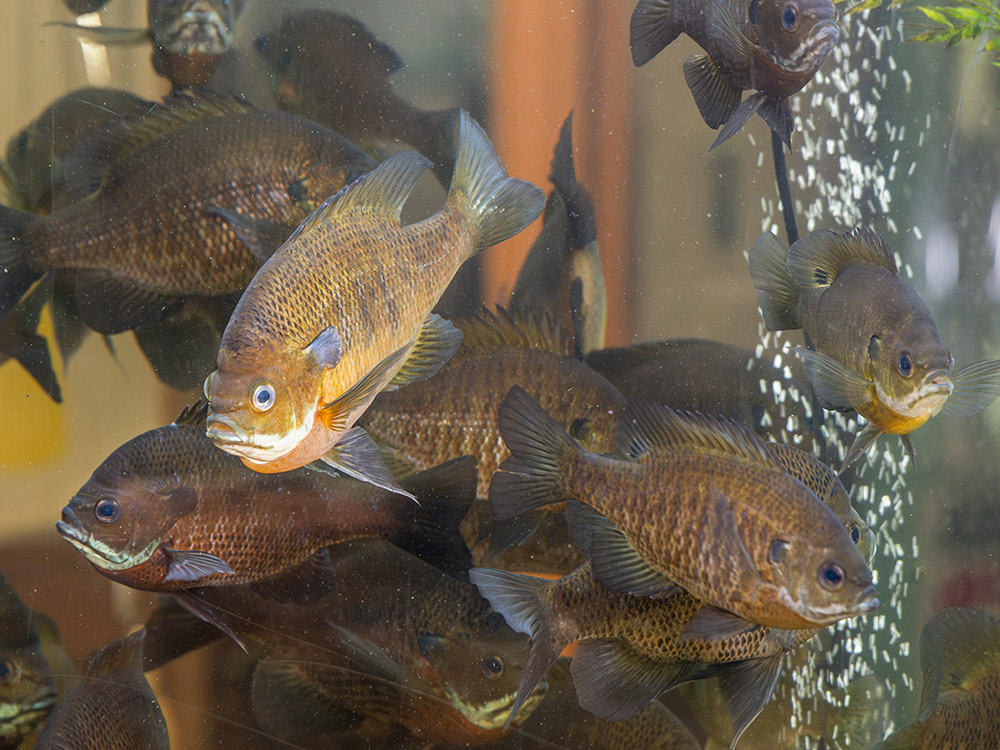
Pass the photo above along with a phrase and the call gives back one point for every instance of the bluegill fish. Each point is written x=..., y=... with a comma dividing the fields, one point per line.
x=773, y=47
x=27, y=692
x=876, y=348
x=316, y=51
x=692, y=501
x=172, y=198
x=562, y=272
x=342, y=311
x=113, y=707
x=168, y=511
x=960, y=660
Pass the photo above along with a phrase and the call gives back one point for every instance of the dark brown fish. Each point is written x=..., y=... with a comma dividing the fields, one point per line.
x=876, y=349
x=27, y=693
x=423, y=424
x=396, y=640
x=112, y=709
x=342, y=311
x=315, y=52
x=168, y=511
x=773, y=47
x=960, y=659
x=177, y=193
x=703, y=505
x=562, y=272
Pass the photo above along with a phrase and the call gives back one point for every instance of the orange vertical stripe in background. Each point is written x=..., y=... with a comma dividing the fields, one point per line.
x=548, y=58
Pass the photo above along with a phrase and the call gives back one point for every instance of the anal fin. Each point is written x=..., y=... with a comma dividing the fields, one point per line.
x=716, y=97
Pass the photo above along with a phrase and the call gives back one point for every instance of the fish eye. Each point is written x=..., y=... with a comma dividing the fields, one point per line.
x=107, y=511
x=492, y=667
x=208, y=383
x=790, y=17
x=831, y=576
x=7, y=672
x=779, y=548
x=262, y=398
x=855, y=533
x=905, y=364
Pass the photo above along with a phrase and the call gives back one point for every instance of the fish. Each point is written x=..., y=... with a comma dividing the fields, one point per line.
x=168, y=511
x=446, y=670
x=20, y=340
x=80, y=7
x=774, y=47
x=171, y=200
x=113, y=707
x=27, y=691
x=638, y=647
x=562, y=271
x=874, y=347
x=960, y=661
x=757, y=544
x=36, y=155
x=342, y=311
x=317, y=51
x=422, y=425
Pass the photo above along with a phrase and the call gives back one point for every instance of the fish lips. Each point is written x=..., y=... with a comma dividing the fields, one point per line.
x=22, y=718
x=814, y=50
x=225, y=431
x=199, y=30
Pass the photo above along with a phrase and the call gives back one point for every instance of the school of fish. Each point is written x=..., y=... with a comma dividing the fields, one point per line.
x=385, y=523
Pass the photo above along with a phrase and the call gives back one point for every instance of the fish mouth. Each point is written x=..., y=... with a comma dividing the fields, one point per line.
x=932, y=393
x=225, y=431
x=18, y=720
x=98, y=553
x=866, y=601
x=199, y=29
x=492, y=715
x=814, y=50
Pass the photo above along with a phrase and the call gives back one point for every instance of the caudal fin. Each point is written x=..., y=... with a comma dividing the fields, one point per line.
x=498, y=206
x=533, y=476
x=17, y=269
x=516, y=597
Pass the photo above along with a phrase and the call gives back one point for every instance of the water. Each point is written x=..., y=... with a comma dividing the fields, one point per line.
x=897, y=136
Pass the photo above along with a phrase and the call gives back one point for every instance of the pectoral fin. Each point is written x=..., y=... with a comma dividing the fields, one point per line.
x=712, y=623
x=976, y=387
x=192, y=565
x=613, y=682
x=108, y=36
x=836, y=385
x=865, y=440
x=715, y=96
x=336, y=414
x=617, y=564
x=437, y=341
x=356, y=455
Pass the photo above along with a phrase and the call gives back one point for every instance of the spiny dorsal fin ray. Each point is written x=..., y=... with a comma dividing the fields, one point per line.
x=123, y=653
x=649, y=428
x=512, y=328
x=819, y=257
x=194, y=415
x=120, y=140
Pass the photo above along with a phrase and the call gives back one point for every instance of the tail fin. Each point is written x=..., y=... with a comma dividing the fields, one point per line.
x=777, y=292
x=445, y=494
x=17, y=270
x=516, y=597
x=533, y=476
x=498, y=206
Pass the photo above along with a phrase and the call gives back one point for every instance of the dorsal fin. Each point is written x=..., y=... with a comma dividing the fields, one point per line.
x=958, y=647
x=650, y=428
x=512, y=328
x=194, y=415
x=817, y=258
x=125, y=653
x=120, y=140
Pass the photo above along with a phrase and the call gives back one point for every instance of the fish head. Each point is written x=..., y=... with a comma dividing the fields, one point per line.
x=826, y=582
x=911, y=369
x=861, y=534
x=795, y=35
x=121, y=515
x=27, y=694
x=184, y=27
x=262, y=408
x=480, y=673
